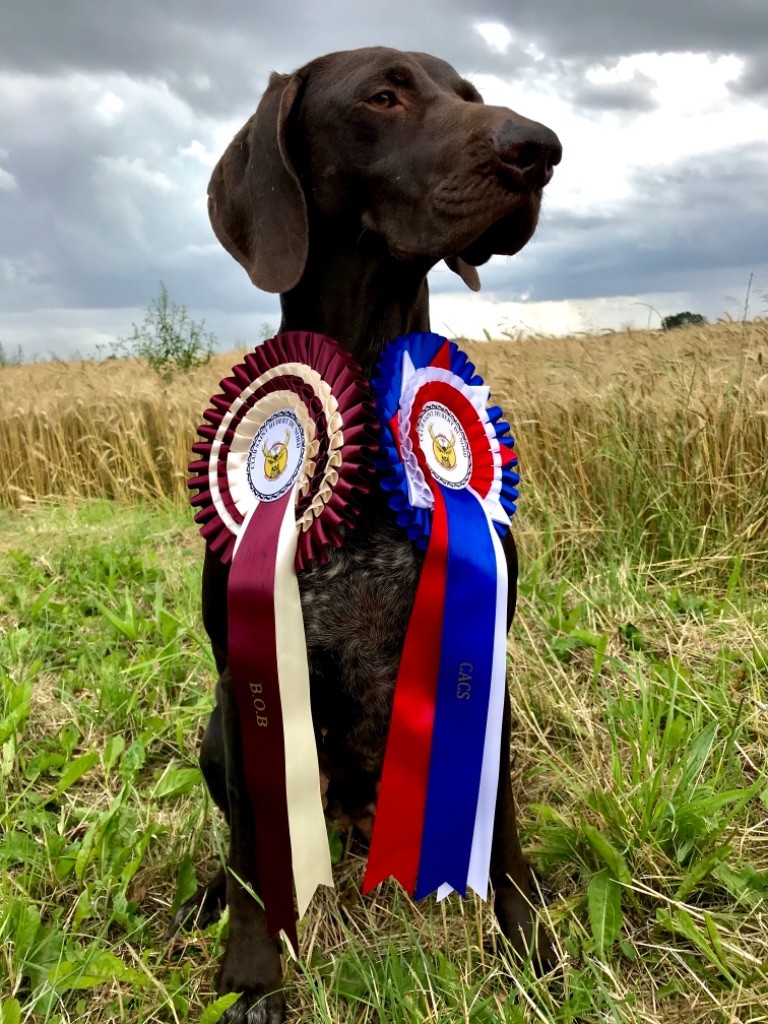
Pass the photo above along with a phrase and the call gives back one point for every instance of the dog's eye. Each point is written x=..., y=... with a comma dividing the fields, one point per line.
x=382, y=100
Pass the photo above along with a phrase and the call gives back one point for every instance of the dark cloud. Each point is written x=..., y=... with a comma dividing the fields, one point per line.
x=232, y=46
x=101, y=198
x=108, y=113
x=754, y=79
x=219, y=56
x=633, y=95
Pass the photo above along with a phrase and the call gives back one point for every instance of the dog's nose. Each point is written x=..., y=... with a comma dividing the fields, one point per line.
x=529, y=151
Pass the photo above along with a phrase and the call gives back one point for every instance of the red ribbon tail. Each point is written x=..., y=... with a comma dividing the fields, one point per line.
x=397, y=833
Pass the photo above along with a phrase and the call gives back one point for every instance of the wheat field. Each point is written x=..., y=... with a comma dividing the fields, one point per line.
x=660, y=432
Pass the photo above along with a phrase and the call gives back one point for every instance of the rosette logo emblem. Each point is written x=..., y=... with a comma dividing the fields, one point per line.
x=445, y=446
x=276, y=456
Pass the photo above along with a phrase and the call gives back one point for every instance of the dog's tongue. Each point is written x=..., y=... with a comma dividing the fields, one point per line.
x=466, y=272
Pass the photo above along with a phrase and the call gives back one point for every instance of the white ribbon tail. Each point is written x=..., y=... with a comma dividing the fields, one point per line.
x=482, y=837
x=309, y=840
x=480, y=857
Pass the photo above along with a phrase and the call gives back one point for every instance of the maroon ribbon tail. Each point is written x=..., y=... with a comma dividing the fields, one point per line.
x=253, y=668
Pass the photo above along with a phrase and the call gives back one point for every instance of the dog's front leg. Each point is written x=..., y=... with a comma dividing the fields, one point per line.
x=208, y=902
x=510, y=871
x=251, y=962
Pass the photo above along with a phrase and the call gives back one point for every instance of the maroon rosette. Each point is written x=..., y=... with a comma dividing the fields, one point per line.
x=285, y=457
x=340, y=425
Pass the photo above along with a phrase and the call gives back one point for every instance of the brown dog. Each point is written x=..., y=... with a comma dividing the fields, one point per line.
x=355, y=176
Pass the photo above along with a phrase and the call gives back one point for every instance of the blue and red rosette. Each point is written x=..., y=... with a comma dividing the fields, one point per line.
x=446, y=462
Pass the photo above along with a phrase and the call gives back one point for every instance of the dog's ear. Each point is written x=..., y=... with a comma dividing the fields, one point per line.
x=466, y=272
x=255, y=202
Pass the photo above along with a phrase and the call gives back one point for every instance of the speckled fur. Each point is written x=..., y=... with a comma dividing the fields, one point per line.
x=356, y=611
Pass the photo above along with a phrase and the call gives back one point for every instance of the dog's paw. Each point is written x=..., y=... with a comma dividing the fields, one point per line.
x=256, y=1008
x=531, y=943
x=202, y=909
x=255, y=972
x=521, y=926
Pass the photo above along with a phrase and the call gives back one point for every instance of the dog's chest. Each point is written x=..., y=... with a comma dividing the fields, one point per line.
x=356, y=610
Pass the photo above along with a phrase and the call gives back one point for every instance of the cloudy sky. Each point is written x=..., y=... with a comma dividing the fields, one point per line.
x=112, y=115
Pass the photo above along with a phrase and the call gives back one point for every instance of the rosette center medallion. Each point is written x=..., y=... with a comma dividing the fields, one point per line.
x=276, y=455
x=445, y=445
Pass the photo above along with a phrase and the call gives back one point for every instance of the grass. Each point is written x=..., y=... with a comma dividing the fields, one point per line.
x=638, y=670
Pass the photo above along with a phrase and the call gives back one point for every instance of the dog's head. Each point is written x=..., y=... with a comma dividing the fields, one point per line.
x=377, y=140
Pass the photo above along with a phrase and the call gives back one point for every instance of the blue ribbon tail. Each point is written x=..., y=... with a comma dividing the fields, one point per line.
x=463, y=691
